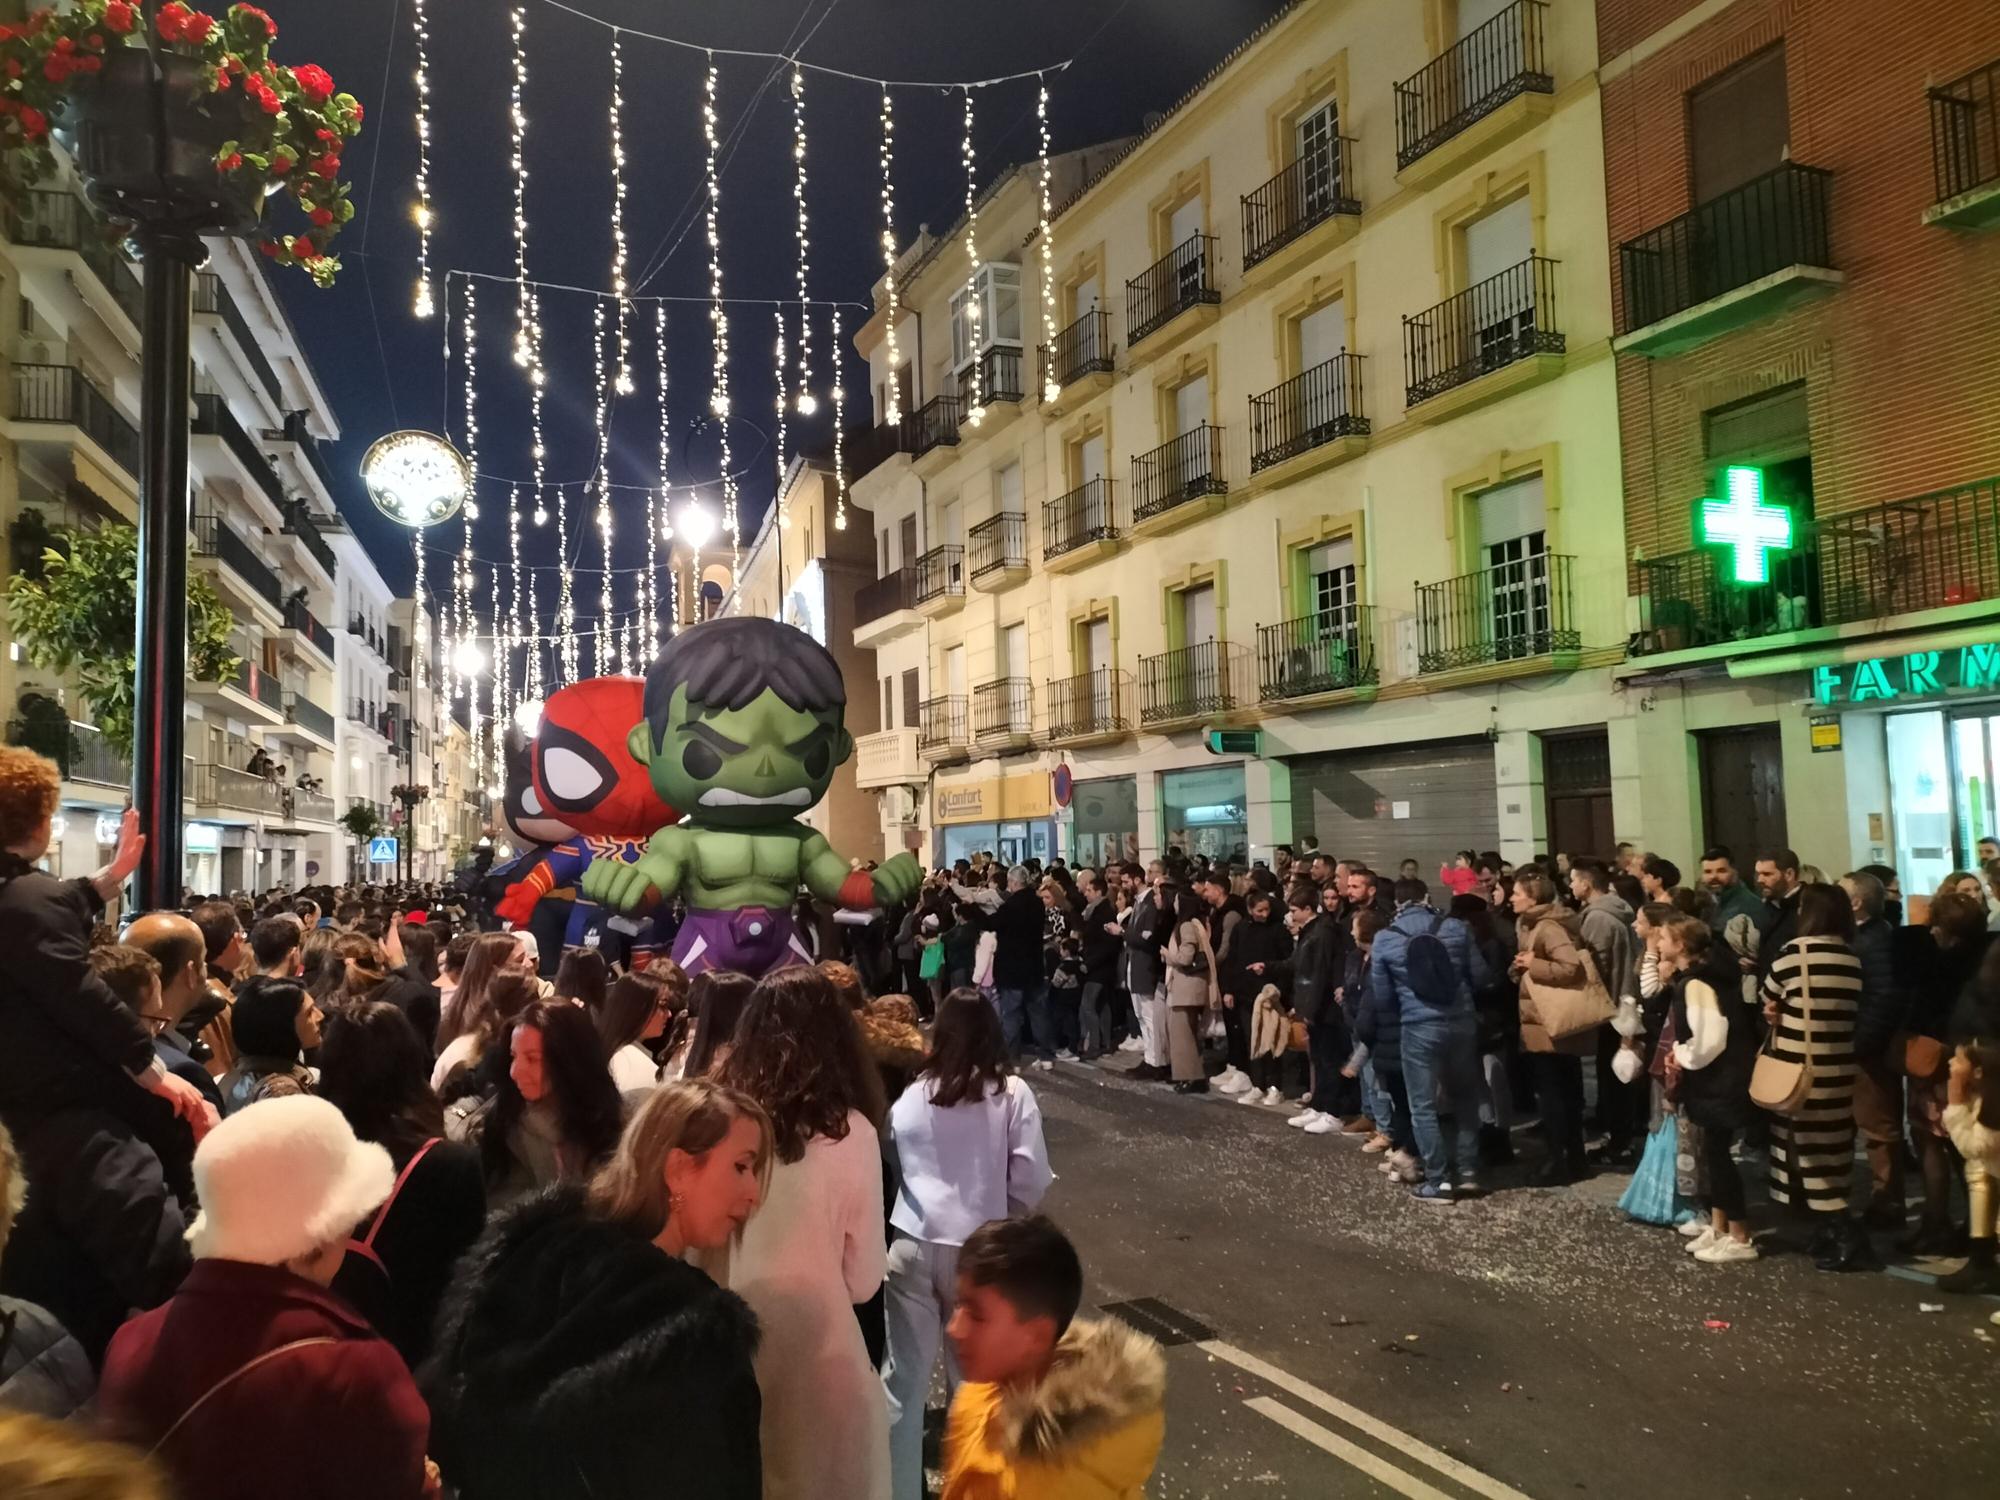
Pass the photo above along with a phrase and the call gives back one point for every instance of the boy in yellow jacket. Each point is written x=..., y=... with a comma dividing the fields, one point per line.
x=1052, y=1408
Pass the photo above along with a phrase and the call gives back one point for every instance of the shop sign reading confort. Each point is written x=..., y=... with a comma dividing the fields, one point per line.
x=1915, y=674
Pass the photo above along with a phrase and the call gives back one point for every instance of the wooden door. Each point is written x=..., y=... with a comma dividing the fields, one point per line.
x=1743, y=790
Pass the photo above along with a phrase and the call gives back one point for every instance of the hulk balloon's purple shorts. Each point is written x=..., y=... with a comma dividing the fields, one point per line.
x=751, y=940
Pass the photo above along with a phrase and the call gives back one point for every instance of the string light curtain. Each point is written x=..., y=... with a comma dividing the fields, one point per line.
x=602, y=637
x=1045, y=238
x=975, y=400
x=420, y=23
x=894, y=314
x=718, y=400
x=663, y=540
x=808, y=404
x=618, y=244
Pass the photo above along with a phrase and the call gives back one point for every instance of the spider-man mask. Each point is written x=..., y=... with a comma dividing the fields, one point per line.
x=583, y=771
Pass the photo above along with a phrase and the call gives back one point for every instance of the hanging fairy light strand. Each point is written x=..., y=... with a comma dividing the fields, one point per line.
x=1045, y=237
x=808, y=403
x=893, y=414
x=839, y=426
x=537, y=680
x=718, y=400
x=618, y=243
x=778, y=316
x=664, y=537
x=604, y=643
x=461, y=681
x=975, y=399
x=420, y=21
x=528, y=323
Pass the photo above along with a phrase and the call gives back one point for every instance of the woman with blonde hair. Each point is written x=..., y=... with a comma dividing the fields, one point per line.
x=42, y=1459
x=578, y=1346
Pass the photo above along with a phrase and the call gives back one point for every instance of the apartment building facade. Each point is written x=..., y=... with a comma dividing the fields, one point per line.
x=1305, y=520
x=1805, y=207
x=261, y=506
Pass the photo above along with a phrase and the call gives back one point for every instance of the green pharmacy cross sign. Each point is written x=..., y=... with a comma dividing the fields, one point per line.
x=1744, y=523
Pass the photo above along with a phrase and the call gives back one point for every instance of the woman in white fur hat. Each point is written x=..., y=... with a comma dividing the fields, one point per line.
x=254, y=1378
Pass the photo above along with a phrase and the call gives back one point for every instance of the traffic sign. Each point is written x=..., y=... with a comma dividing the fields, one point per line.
x=382, y=851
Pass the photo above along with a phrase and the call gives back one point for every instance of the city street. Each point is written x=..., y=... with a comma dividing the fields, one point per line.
x=1340, y=1339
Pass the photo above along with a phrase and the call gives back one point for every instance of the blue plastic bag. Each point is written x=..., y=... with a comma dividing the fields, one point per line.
x=1652, y=1197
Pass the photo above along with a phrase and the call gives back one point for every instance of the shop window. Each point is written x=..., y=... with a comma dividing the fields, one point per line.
x=1106, y=826
x=1928, y=803
x=1205, y=813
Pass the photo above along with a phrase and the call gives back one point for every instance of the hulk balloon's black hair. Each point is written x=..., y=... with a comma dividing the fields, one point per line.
x=727, y=662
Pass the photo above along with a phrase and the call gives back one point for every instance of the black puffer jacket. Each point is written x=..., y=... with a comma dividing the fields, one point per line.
x=573, y=1357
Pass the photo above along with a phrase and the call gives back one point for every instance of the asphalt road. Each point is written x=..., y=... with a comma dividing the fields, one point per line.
x=1352, y=1342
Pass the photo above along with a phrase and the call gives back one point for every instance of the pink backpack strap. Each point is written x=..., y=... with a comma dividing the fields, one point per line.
x=366, y=1244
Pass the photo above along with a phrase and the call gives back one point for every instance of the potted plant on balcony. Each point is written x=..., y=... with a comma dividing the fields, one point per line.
x=79, y=613
x=179, y=119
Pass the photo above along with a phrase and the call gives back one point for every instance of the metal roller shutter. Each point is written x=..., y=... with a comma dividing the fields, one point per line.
x=1350, y=800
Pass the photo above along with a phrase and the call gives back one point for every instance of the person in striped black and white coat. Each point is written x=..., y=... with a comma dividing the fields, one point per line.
x=1812, y=992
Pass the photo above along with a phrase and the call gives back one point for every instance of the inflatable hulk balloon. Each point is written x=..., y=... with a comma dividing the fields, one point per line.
x=743, y=730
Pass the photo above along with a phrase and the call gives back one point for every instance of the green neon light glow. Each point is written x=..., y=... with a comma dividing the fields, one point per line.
x=1745, y=524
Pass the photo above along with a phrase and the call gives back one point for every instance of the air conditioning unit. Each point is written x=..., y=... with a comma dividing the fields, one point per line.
x=899, y=806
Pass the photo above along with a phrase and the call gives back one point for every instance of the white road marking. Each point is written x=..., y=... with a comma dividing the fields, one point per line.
x=1378, y=1469
x=1353, y=1416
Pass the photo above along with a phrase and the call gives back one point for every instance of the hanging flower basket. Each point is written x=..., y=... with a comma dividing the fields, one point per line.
x=179, y=119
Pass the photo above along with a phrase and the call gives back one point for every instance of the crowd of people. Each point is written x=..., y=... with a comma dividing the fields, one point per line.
x=335, y=1192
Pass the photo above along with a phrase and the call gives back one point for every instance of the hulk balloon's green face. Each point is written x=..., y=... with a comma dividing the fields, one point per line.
x=741, y=767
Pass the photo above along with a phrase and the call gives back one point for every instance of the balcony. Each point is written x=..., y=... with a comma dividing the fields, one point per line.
x=1003, y=715
x=1517, y=612
x=242, y=572
x=1178, y=482
x=941, y=732
x=213, y=786
x=309, y=718
x=1091, y=708
x=299, y=522
x=212, y=299
x=1748, y=254
x=1902, y=557
x=1317, y=412
x=1312, y=191
x=311, y=807
x=80, y=751
x=49, y=219
x=1486, y=89
x=1079, y=364
x=1326, y=652
x=369, y=715
x=369, y=634
x=868, y=448
x=999, y=388
x=1181, y=686
x=1079, y=527
x=1965, y=150
x=213, y=418
x=886, y=609
x=306, y=626
x=1494, y=338
x=888, y=759
x=60, y=394
x=940, y=589
x=930, y=433
x=1182, y=279
x=997, y=549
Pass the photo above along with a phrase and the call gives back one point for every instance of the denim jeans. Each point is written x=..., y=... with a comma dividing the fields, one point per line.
x=1443, y=1055
x=922, y=1282
x=1026, y=1011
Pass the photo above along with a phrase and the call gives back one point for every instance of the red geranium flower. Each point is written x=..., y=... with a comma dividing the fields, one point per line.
x=281, y=164
x=118, y=16
x=232, y=161
x=173, y=15
x=321, y=216
x=95, y=41
x=357, y=111
x=326, y=166
x=197, y=28
x=33, y=122
x=252, y=13
x=269, y=247
x=314, y=82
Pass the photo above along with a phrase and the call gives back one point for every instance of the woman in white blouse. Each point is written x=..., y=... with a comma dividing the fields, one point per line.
x=967, y=1137
x=632, y=1021
x=817, y=1246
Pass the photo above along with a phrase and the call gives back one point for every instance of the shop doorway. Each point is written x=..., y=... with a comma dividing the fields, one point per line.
x=1576, y=781
x=1743, y=790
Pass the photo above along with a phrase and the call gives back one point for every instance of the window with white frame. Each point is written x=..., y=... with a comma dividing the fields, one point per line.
x=998, y=290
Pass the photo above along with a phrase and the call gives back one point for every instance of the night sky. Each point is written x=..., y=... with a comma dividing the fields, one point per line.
x=383, y=368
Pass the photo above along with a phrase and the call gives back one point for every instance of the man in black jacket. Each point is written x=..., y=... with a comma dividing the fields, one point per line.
x=1103, y=945
x=1226, y=920
x=1314, y=974
x=1146, y=931
x=1020, y=984
x=175, y=946
x=1878, y=1082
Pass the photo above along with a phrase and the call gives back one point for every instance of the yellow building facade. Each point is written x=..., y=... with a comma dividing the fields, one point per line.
x=1293, y=512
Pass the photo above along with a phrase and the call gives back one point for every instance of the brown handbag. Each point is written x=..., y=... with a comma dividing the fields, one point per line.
x=1920, y=1057
x=1779, y=1084
x=1564, y=1011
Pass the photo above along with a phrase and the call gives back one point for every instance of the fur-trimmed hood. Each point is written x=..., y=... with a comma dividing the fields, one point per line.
x=564, y=1342
x=1105, y=1376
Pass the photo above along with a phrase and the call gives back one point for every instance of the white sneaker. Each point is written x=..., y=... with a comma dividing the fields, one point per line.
x=1322, y=1125
x=1411, y=1175
x=1065, y=1055
x=1132, y=1044
x=1272, y=1096
x=1405, y=1167
x=1249, y=1096
x=1231, y=1081
x=1303, y=1118
x=1045, y=1065
x=1692, y=1228
x=1703, y=1241
x=1727, y=1250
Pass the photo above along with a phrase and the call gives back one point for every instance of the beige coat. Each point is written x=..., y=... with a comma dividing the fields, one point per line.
x=1558, y=960
x=1187, y=991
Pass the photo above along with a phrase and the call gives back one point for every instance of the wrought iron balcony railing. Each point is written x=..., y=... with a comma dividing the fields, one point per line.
x=1488, y=326
x=1212, y=677
x=213, y=538
x=885, y=595
x=1083, y=348
x=1182, y=469
x=80, y=751
x=1323, y=652
x=61, y=393
x=998, y=543
x=227, y=786
x=1899, y=557
x=1077, y=519
x=1501, y=60
x=1316, y=406
x=212, y=296
x=1965, y=132
x=213, y=416
x=940, y=574
x=1003, y=710
x=1182, y=278
x=54, y=220
x=932, y=425
x=1314, y=188
x=299, y=522
x=1508, y=613
x=1090, y=704
x=253, y=681
x=999, y=377
x=941, y=724
x=309, y=625
x=302, y=711
x=1767, y=224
